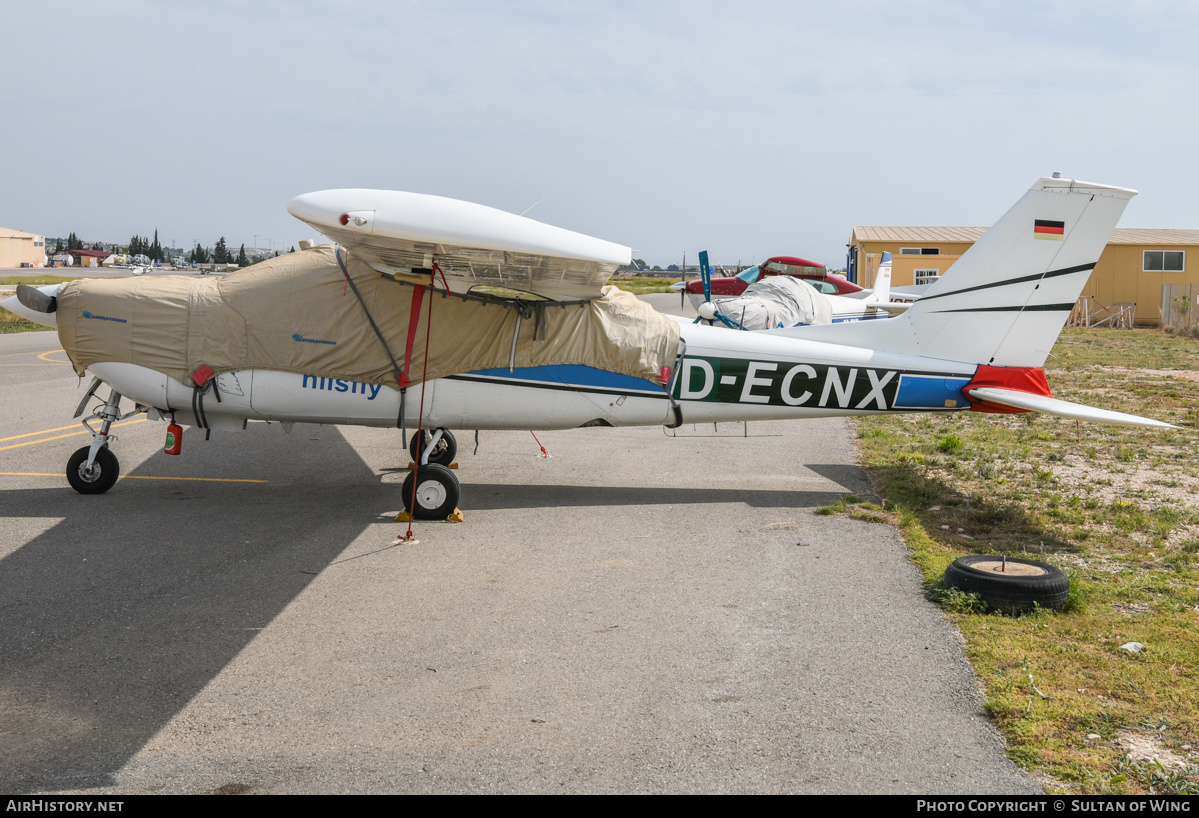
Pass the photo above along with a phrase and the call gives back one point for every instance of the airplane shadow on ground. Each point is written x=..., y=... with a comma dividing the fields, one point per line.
x=853, y=479
x=495, y=496
x=118, y=615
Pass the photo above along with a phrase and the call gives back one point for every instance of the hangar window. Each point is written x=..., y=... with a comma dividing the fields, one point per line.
x=920, y=251
x=1168, y=261
x=927, y=275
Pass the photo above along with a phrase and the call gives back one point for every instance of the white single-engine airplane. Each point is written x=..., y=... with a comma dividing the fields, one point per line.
x=440, y=314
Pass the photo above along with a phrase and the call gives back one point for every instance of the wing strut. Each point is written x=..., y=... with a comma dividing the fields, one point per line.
x=420, y=417
x=401, y=375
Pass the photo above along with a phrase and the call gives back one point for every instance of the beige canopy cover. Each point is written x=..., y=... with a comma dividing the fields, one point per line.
x=296, y=313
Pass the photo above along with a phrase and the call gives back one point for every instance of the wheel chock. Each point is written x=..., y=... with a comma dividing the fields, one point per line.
x=453, y=465
x=456, y=517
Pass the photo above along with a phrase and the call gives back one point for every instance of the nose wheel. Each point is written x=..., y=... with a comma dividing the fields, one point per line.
x=95, y=477
x=94, y=469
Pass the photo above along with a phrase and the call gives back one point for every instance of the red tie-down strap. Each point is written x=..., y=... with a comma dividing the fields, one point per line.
x=433, y=277
x=414, y=316
x=201, y=375
x=1019, y=378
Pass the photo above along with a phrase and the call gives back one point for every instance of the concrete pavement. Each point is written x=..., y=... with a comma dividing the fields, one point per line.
x=639, y=613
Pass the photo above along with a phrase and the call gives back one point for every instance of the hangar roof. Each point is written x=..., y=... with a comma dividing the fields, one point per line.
x=1121, y=235
x=919, y=234
x=1143, y=235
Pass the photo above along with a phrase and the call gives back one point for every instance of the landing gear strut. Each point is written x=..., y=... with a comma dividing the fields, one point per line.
x=94, y=469
x=439, y=446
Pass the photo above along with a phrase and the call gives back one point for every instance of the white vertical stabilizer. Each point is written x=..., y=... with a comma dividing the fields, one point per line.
x=1006, y=300
x=881, y=293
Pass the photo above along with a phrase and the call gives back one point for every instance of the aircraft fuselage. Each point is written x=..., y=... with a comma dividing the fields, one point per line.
x=724, y=376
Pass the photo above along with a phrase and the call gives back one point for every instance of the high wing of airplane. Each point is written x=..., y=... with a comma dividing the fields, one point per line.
x=447, y=315
x=472, y=245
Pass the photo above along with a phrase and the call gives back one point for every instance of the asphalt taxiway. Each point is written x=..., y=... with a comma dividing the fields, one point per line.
x=640, y=612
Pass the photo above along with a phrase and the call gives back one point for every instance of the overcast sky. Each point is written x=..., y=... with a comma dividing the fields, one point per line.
x=748, y=129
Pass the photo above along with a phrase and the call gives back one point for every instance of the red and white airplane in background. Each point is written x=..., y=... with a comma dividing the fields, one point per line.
x=779, y=300
x=733, y=286
x=976, y=339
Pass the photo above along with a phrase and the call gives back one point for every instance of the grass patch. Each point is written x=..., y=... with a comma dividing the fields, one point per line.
x=1117, y=509
x=952, y=599
x=10, y=322
x=644, y=285
x=13, y=323
x=37, y=281
x=950, y=444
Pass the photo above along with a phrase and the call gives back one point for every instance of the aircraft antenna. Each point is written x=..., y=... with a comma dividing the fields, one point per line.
x=530, y=207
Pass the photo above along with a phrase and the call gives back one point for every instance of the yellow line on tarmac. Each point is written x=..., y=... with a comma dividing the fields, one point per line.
x=59, y=437
x=201, y=479
x=43, y=357
x=137, y=477
x=43, y=432
x=30, y=352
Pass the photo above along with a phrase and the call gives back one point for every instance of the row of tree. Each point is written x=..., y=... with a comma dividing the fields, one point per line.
x=73, y=243
x=153, y=250
x=639, y=266
x=219, y=255
x=137, y=246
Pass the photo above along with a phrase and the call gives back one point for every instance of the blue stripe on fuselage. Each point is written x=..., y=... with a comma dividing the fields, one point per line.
x=575, y=375
x=841, y=319
x=845, y=319
x=930, y=392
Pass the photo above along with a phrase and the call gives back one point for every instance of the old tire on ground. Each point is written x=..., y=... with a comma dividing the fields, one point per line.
x=442, y=455
x=100, y=478
x=1025, y=584
x=437, y=492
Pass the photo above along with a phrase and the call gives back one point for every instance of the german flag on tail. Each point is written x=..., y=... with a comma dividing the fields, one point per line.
x=1047, y=229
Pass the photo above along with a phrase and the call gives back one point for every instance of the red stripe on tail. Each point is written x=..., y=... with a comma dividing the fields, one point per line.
x=1020, y=378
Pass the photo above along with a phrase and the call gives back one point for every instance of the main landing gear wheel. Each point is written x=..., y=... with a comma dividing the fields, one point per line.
x=443, y=453
x=437, y=492
x=95, y=480
x=1017, y=587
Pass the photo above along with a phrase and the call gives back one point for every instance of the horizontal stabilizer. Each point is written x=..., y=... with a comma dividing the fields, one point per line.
x=893, y=307
x=1062, y=408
